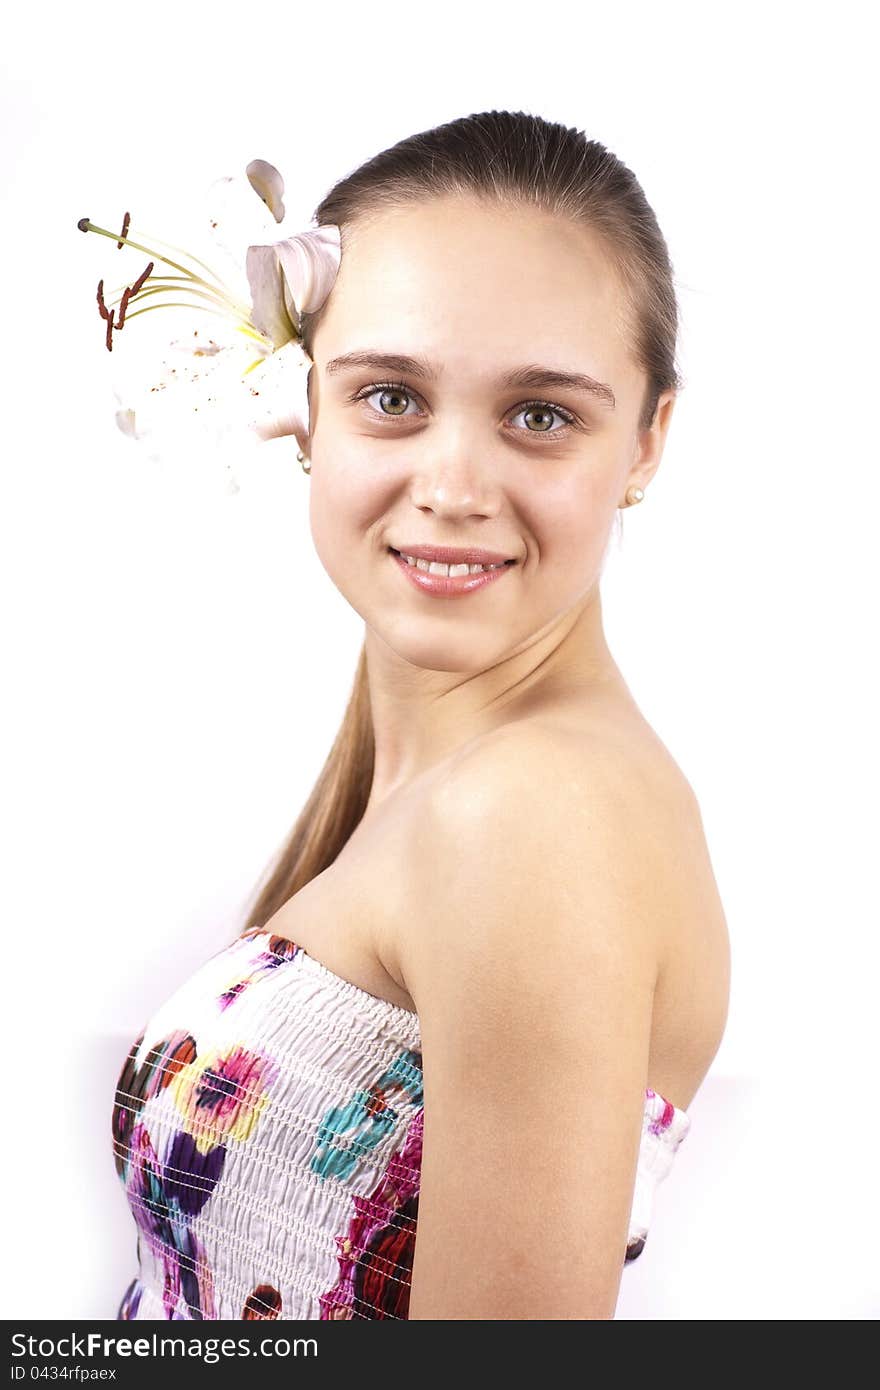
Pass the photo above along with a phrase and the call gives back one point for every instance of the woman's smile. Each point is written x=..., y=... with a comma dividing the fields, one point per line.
x=444, y=579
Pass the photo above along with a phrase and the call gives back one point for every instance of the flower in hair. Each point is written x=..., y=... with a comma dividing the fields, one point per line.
x=236, y=372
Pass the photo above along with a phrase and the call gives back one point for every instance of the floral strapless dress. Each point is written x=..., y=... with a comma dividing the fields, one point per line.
x=267, y=1129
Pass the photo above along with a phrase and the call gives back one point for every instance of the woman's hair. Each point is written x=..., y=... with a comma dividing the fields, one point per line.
x=515, y=160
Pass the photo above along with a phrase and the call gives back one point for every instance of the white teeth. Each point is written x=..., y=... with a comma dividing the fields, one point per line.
x=437, y=567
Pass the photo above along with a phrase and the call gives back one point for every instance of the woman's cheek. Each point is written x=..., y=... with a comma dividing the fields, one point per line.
x=345, y=523
x=328, y=527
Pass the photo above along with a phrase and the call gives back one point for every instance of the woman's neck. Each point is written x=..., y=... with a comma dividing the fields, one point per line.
x=422, y=717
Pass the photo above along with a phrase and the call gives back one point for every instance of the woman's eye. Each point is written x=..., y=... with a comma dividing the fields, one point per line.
x=542, y=412
x=395, y=399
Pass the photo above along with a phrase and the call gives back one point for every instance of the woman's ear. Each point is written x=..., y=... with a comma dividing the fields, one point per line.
x=651, y=441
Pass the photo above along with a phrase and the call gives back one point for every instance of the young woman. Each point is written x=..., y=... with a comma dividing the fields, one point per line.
x=444, y=1066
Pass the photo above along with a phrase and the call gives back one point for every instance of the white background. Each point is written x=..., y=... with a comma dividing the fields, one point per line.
x=177, y=662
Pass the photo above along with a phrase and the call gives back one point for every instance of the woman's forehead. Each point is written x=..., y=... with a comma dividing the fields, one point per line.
x=521, y=282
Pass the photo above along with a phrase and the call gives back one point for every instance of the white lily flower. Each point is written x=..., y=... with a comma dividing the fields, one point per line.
x=305, y=268
x=235, y=218
x=238, y=375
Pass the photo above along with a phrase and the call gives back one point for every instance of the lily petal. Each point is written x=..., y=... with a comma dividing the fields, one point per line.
x=268, y=305
x=282, y=407
x=170, y=393
x=268, y=184
x=235, y=218
x=198, y=378
x=290, y=278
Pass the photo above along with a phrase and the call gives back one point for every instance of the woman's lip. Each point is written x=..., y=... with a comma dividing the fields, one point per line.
x=453, y=554
x=448, y=586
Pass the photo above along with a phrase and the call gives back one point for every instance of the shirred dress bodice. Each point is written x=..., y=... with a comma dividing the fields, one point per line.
x=267, y=1129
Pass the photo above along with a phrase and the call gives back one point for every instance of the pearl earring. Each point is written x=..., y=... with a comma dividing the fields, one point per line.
x=305, y=464
x=633, y=495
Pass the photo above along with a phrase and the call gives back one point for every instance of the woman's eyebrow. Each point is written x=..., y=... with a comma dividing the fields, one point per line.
x=530, y=378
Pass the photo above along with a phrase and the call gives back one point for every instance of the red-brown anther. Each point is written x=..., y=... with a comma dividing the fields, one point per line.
x=126, y=223
x=139, y=282
x=123, y=305
x=109, y=331
x=102, y=307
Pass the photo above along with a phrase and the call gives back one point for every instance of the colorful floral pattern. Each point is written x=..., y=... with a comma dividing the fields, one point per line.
x=376, y=1253
x=139, y=1083
x=131, y=1301
x=276, y=951
x=263, y=1303
x=666, y=1116
x=167, y=1230
x=366, y=1119
x=222, y=1094
x=270, y=1143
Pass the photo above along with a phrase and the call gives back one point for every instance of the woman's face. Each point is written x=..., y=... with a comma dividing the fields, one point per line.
x=443, y=451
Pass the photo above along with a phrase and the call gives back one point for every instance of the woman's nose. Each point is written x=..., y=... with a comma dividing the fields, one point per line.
x=455, y=481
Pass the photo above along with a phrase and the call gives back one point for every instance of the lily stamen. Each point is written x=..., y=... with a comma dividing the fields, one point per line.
x=123, y=305
x=188, y=282
x=139, y=282
x=244, y=329
x=167, y=284
x=240, y=310
x=213, y=305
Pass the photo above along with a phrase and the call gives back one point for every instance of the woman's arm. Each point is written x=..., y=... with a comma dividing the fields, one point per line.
x=532, y=965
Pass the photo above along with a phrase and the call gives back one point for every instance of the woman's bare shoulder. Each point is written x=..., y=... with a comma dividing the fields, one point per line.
x=618, y=756
x=593, y=814
x=541, y=806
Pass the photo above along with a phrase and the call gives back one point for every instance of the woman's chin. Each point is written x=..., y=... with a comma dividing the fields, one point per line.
x=462, y=654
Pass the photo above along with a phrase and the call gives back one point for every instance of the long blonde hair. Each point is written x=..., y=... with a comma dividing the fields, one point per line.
x=514, y=159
